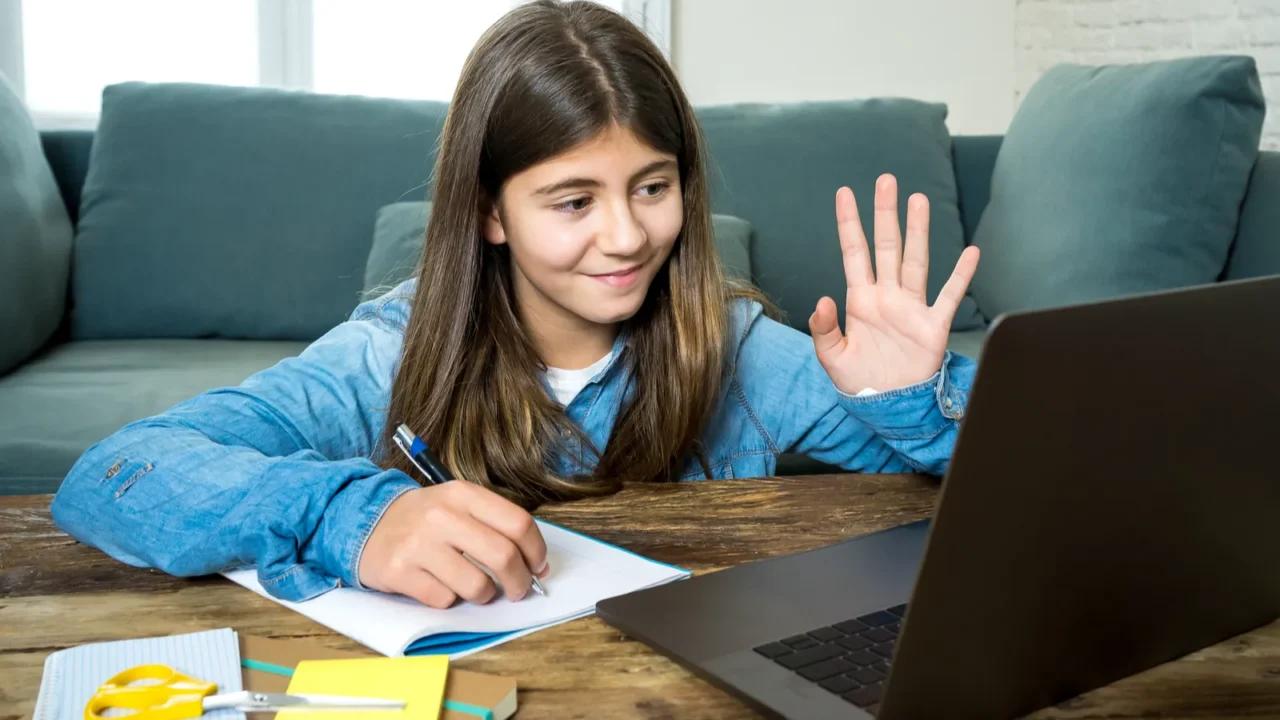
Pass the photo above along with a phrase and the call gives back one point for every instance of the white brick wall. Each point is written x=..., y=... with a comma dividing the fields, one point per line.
x=1119, y=31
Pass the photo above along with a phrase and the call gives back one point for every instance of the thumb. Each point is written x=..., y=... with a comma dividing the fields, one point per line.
x=825, y=329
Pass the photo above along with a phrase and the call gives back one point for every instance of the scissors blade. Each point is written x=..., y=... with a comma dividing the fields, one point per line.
x=270, y=702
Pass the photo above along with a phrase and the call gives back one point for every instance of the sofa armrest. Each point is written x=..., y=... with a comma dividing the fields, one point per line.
x=35, y=243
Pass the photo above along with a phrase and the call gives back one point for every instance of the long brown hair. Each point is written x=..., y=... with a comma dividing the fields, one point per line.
x=543, y=79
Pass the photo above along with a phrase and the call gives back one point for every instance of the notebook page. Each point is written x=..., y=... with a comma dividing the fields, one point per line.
x=212, y=656
x=583, y=572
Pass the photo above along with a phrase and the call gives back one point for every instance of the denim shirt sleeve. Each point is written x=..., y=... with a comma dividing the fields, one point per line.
x=274, y=472
x=797, y=408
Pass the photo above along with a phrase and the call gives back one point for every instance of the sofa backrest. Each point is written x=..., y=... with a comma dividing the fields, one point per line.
x=795, y=250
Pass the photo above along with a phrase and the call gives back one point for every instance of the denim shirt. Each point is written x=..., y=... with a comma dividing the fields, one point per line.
x=276, y=472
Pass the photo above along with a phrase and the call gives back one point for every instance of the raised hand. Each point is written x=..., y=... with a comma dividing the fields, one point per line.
x=892, y=337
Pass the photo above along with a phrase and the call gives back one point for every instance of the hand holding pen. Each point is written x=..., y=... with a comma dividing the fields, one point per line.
x=452, y=539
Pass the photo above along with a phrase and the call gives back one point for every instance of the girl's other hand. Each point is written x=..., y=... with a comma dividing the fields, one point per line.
x=892, y=337
x=416, y=548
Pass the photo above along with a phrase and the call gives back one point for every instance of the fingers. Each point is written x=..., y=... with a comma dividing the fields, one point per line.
x=824, y=326
x=509, y=520
x=853, y=242
x=887, y=233
x=915, y=255
x=952, y=293
x=495, y=552
x=462, y=576
x=423, y=587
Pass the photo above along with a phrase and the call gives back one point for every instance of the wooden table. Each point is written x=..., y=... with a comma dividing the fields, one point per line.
x=56, y=593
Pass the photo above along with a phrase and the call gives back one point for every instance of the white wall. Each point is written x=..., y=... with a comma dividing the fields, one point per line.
x=959, y=52
x=1120, y=31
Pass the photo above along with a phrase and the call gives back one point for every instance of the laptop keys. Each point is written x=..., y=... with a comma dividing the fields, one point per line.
x=876, y=619
x=773, y=650
x=850, y=659
x=864, y=697
x=826, y=634
x=797, y=660
x=850, y=627
x=867, y=676
x=840, y=684
x=826, y=669
x=800, y=642
x=853, y=642
x=878, y=635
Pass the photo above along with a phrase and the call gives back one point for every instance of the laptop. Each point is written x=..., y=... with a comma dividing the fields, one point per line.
x=1111, y=504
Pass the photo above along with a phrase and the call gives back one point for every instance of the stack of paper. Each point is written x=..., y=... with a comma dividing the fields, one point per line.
x=72, y=676
x=584, y=571
x=269, y=665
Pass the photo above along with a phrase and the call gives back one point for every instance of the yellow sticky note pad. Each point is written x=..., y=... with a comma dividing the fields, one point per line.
x=419, y=681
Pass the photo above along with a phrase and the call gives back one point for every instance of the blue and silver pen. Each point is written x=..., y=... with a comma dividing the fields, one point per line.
x=436, y=473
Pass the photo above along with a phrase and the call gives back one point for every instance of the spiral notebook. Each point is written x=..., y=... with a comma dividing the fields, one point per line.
x=73, y=675
x=584, y=571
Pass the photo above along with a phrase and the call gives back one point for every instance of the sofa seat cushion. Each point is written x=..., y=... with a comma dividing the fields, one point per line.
x=55, y=407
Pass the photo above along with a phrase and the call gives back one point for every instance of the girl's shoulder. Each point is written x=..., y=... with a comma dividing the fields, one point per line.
x=756, y=334
x=388, y=306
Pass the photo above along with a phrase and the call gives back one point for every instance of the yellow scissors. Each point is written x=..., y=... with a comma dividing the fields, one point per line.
x=176, y=696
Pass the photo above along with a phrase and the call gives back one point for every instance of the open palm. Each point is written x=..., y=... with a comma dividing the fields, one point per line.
x=892, y=337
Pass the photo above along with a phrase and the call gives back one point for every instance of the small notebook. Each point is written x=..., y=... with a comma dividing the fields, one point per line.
x=584, y=571
x=418, y=681
x=73, y=675
x=267, y=664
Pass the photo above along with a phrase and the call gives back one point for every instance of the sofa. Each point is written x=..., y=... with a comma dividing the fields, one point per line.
x=210, y=232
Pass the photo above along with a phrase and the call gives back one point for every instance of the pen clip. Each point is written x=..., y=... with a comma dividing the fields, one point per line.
x=405, y=449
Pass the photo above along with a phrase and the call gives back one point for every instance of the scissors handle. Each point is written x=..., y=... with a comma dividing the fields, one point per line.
x=173, y=697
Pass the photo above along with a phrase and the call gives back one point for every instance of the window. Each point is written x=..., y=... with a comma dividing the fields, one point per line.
x=59, y=54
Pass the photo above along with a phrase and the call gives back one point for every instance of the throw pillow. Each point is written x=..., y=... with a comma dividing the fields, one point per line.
x=35, y=237
x=238, y=212
x=400, y=232
x=1118, y=179
x=778, y=167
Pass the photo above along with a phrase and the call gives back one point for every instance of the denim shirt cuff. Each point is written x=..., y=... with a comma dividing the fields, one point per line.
x=352, y=518
x=921, y=410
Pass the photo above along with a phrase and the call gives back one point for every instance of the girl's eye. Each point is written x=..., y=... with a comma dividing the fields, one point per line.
x=575, y=205
x=654, y=189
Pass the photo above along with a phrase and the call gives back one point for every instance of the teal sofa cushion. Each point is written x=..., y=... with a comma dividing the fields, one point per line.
x=35, y=237
x=1256, y=251
x=55, y=407
x=398, y=236
x=400, y=232
x=238, y=212
x=1118, y=179
x=778, y=167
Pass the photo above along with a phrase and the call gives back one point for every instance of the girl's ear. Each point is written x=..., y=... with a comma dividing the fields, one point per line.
x=491, y=222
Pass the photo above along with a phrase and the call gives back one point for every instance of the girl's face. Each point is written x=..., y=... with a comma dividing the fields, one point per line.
x=589, y=229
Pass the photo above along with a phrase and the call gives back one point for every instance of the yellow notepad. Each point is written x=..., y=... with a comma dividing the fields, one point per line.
x=419, y=681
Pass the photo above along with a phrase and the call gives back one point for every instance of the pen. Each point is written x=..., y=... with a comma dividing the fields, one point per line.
x=436, y=473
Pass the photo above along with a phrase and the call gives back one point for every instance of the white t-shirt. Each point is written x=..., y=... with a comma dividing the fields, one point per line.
x=566, y=384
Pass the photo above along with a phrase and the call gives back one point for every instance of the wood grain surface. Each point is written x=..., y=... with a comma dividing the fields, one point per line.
x=56, y=593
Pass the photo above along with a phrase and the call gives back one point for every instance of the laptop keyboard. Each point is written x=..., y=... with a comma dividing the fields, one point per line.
x=850, y=659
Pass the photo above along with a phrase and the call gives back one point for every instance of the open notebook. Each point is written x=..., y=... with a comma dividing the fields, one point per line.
x=583, y=572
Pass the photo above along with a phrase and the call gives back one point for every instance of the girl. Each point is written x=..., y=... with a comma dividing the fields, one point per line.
x=569, y=329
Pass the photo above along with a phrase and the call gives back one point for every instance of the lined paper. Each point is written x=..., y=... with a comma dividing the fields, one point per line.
x=73, y=675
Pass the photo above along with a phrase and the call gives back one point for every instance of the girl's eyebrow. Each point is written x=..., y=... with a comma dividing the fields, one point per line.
x=582, y=182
